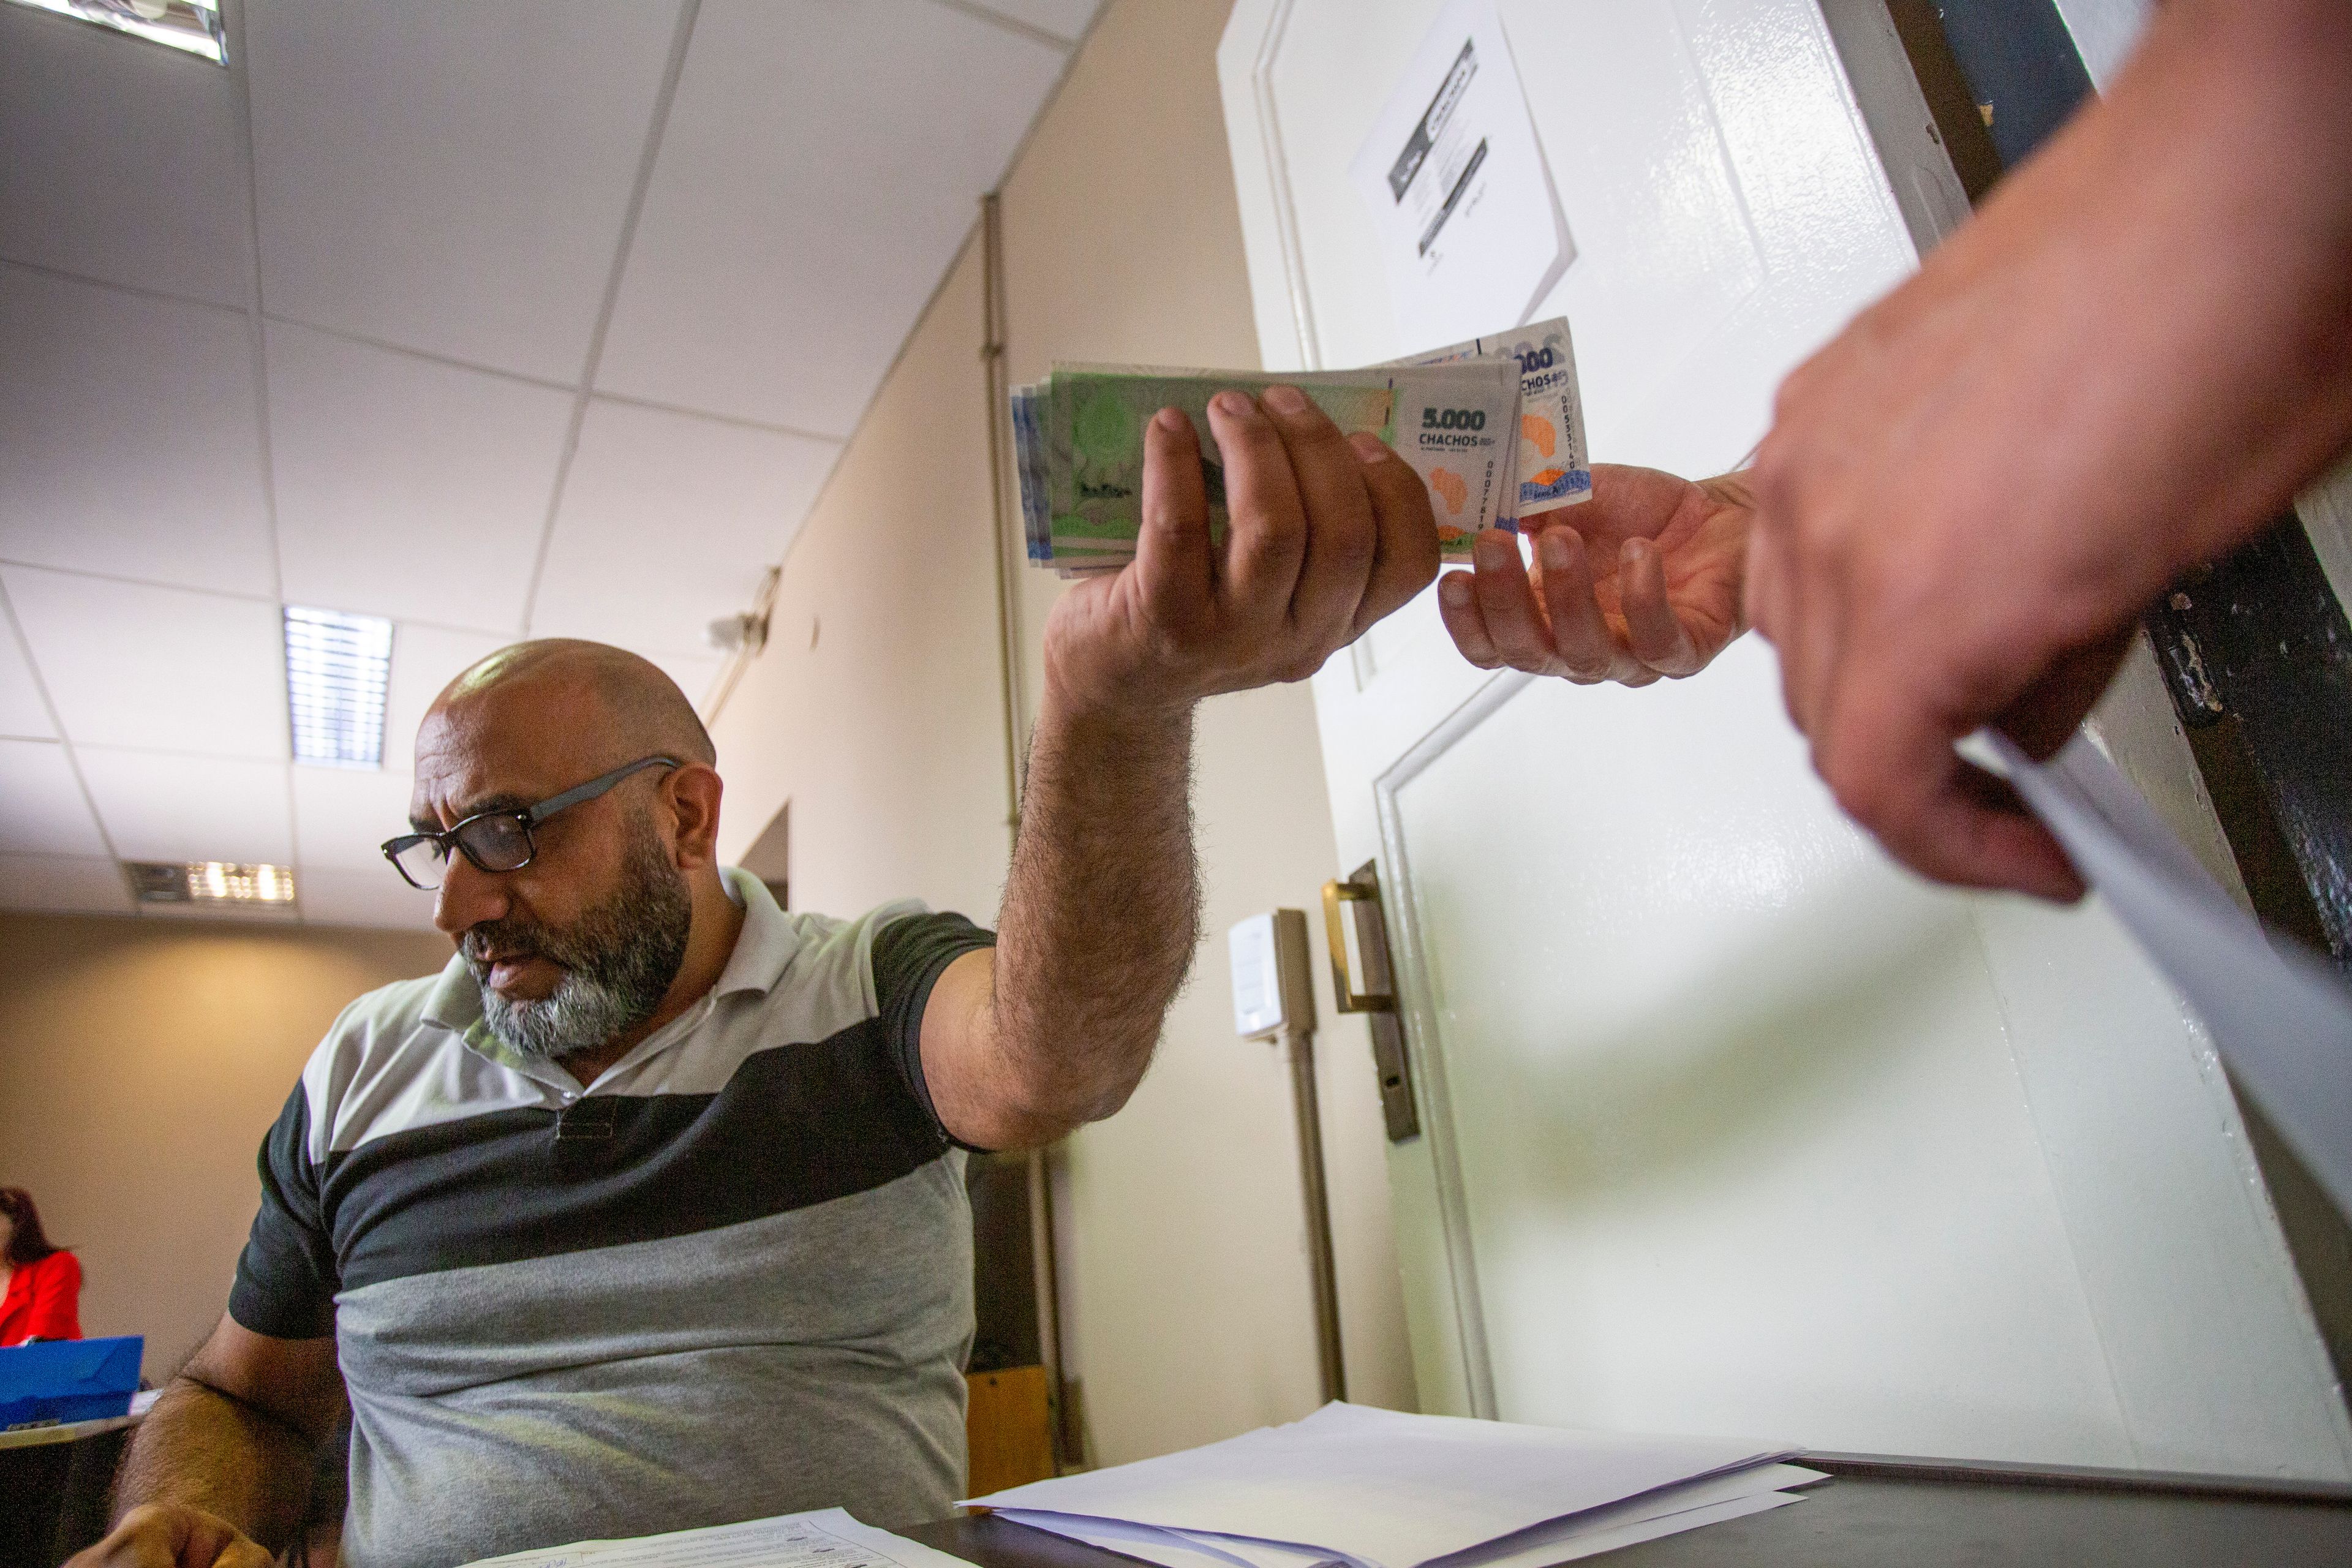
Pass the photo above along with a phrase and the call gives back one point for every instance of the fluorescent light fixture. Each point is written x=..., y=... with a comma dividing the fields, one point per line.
x=194, y=25
x=338, y=667
x=210, y=882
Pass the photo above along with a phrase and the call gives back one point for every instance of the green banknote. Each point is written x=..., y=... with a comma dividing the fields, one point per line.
x=1078, y=440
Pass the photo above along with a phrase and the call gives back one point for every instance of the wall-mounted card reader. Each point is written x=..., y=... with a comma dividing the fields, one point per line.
x=1273, y=990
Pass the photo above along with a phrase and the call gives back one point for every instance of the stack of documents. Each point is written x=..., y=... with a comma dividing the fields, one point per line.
x=1351, y=1487
x=826, y=1538
x=1494, y=426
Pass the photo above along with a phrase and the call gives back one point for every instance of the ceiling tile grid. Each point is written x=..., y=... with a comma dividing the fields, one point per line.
x=157, y=668
x=64, y=885
x=120, y=164
x=442, y=194
x=1065, y=19
x=424, y=661
x=665, y=515
x=42, y=808
x=448, y=176
x=161, y=805
x=407, y=487
x=812, y=143
x=130, y=437
x=341, y=897
x=342, y=816
x=23, y=714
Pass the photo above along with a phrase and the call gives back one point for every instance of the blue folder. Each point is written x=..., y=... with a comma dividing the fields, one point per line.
x=68, y=1380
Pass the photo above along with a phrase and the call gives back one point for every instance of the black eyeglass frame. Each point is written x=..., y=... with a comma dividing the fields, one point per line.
x=526, y=816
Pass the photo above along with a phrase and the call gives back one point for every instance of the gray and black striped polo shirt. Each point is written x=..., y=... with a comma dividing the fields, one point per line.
x=731, y=1278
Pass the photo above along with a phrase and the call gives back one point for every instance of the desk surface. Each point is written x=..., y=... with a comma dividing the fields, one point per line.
x=1916, y=1513
x=66, y=1432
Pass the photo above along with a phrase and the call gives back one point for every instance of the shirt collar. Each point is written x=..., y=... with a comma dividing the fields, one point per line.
x=764, y=951
x=765, y=946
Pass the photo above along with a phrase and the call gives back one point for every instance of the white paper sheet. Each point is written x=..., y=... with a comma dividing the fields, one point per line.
x=2281, y=1017
x=1469, y=226
x=1387, y=1489
x=1593, y=1543
x=826, y=1538
x=1169, y=1548
x=1664, y=1512
x=1647, y=1518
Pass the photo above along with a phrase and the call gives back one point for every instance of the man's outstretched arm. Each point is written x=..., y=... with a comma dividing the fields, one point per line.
x=219, y=1472
x=1101, y=910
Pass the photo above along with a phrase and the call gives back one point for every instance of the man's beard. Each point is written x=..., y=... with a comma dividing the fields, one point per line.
x=618, y=959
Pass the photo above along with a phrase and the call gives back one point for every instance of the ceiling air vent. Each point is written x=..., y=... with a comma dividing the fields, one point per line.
x=209, y=882
x=194, y=25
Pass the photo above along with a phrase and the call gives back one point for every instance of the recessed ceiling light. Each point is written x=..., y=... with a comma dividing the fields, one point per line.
x=338, y=669
x=209, y=882
x=190, y=25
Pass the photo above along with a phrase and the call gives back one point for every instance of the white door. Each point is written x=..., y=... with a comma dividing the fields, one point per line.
x=1729, y=1124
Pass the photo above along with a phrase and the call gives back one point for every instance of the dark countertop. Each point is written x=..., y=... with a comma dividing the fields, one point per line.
x=1917, y=1513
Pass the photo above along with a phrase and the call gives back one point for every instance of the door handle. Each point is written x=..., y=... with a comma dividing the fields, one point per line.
x=1352, y=908
x=1364, y=981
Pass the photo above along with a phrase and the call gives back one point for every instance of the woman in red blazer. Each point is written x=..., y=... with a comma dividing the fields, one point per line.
x=44, y=1295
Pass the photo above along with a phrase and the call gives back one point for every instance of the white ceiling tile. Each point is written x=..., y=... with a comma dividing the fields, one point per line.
x=338, y=897
x=42, y=811
x=666, y=525
x=63, y=884
x=695, y=676
x=159, y=806
x=128, y=665
x=22, y=714
x=424, y=661
x=1063, y=18
x=342, y=816
x=448, y=176
x=129, y=426
x=121, y=163
x=228, y=914
x=407, y=487
x=819, y=171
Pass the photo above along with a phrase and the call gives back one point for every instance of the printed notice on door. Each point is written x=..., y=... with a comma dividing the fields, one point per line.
x=1469, y=224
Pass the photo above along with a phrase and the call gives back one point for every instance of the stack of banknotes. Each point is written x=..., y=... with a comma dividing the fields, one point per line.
x=1494, y=426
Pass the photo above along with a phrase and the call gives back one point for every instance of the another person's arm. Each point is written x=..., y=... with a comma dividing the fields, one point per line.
x=220, y=1470
x=1641, y=581
x=2125, y=365
x=1055, y=1028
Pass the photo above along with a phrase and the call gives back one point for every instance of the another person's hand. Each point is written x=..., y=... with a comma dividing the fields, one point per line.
x=1327, y=535
x=1642, y=580
x=171, y=1535
x=2123, y=366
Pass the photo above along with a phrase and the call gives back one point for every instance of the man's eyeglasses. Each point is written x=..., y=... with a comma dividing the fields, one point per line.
x=498, y=840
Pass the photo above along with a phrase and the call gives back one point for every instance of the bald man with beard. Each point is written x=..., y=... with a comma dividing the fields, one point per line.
x=648, y=1212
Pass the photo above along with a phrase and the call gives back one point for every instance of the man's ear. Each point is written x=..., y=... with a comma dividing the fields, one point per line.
x=694, y=791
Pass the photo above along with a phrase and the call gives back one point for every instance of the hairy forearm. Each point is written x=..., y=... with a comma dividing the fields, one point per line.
x=1101, y=910
x=2216, y=181
x=202, y=1449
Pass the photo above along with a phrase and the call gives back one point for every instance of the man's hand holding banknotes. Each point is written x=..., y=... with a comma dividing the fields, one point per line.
x=1327, y=534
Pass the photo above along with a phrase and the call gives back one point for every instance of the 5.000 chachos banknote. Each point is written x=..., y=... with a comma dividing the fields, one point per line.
x=1552, y=469
x=1494, y=426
